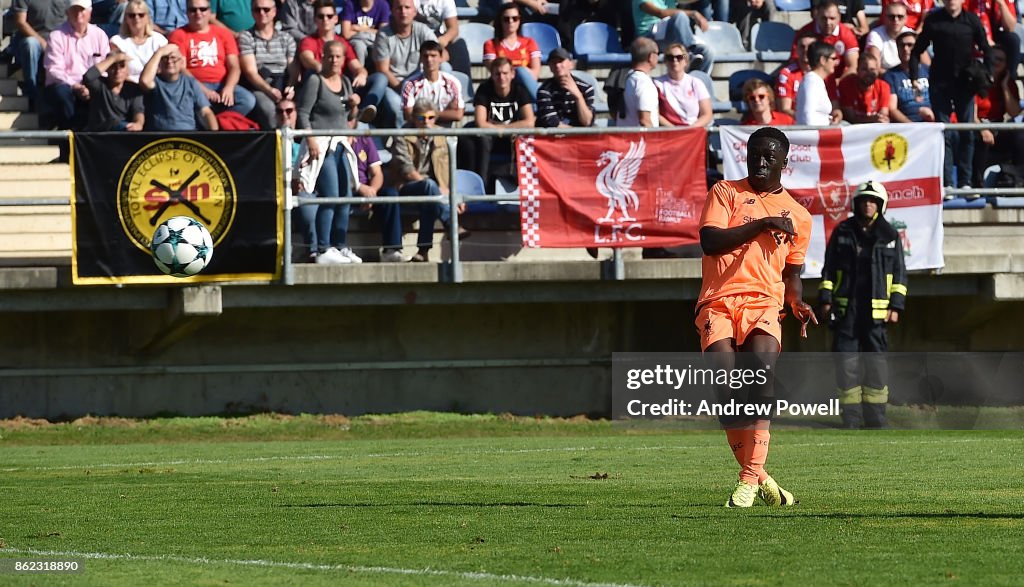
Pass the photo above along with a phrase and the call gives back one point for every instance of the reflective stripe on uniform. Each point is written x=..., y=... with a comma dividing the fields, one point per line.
x=850, y=396
x=875, y=396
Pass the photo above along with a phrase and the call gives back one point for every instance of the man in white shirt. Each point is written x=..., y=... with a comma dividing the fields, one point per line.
x=814, y=103
x=641, y=95
x=882, y=39
x=441, y=88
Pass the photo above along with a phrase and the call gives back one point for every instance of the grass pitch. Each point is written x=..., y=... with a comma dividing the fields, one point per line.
x=428, y=499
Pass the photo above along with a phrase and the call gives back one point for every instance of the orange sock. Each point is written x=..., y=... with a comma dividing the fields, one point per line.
x=759, y=439
x=741, y=443
x=737, y=443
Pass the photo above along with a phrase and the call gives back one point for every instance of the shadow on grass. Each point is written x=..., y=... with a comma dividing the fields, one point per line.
x=473, y=504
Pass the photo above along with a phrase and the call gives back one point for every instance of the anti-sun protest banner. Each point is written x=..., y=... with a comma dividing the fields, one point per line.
x=126, y=184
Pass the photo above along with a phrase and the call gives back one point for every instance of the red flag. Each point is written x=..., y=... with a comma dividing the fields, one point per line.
x=614, y=190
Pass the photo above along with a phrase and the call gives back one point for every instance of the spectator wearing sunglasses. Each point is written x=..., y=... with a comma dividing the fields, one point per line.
x=881, y=40
x=760, y=101
x=211, y=56
x=266, y=57
x=910, y=101
x=137, y=38
x=683, y=100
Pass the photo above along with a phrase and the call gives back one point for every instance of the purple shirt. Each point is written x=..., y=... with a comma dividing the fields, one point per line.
x=69, y=57
x=366, y=156
x=375, y=17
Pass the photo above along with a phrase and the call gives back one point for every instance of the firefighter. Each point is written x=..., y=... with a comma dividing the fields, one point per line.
x=863, y=288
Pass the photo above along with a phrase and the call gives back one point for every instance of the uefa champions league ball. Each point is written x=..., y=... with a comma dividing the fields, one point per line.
x=181, y=246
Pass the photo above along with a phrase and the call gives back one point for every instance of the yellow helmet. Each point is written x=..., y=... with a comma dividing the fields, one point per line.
x=871, y=189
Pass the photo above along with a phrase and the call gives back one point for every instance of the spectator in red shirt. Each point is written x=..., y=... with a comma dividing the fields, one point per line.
x=312, y=47
x=865, y=97
x=760, y=100
x=792, y=74
x=211, y=56
x=522, y=52
x=916, y=10
x=826, y=27
x=999, y=17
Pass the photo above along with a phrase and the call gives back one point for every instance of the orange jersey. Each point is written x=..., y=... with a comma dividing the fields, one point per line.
x=756, y=266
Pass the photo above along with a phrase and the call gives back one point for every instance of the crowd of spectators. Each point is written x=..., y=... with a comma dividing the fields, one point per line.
x=203, y=64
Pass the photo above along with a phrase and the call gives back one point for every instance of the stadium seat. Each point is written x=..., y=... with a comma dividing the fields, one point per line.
x=717, y=105
x=727, y=42
x=467, y=90
x=476, y=34
x=959, y=203
x=465, y=11
x=715, y=138
x=793, y=5
x=600, y=101
x=772, y=40
x=545, y=35
x=597, y=43
x=872, y=8
x=736, y=81
x=469, y=183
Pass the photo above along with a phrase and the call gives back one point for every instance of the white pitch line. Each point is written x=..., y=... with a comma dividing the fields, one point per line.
x=427, y=572
x=455, y=452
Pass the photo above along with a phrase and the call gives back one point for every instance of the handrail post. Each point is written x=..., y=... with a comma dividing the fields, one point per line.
x=285, y=138
x=618, y=265
x=454, y=200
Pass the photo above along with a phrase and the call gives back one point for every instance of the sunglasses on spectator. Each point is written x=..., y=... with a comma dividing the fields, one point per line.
x=198, y=8
x=263, y=9
x=325, y=16
x=425, y=117
x=757, y=97
x=675, y=57
x=135, y=15
x=895, y=16
x=510, y=18
x=285, y=110
x=907, y=45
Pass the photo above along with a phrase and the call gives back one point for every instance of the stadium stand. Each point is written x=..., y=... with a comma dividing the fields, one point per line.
x=772, y=40
x=545, y=35
x=597, y=43
x=717, y=106
x=467, y=90
x=793, y=5
x=465, y=11
x=475, y=34
x=872, y=8
x=600, y=101
x=730, y=54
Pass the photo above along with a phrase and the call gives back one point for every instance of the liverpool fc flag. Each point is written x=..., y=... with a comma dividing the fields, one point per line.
x=613, y=190
x=825, y=167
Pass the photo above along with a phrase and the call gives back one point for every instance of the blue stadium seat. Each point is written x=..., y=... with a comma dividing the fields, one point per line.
x=469, y=183
x=772, y=40
x=465, y=11
x=717, y=105
x=545, y=35
x=600, y=102
x=467, y=90
x=872, y=7
x=727, y=42
x=597, y=43
x=476, y=34
x=793, y=5
x=736, y=81
x=715, y=138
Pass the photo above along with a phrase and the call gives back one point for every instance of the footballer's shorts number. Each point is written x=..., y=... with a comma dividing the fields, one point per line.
x=40, y=566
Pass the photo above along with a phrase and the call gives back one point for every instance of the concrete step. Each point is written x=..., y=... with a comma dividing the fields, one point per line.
x=16, y=187
x=9, y=87
x=51, y=172
x=29, y=154
x=13, y=103
x=18, y=121
x=35, y=220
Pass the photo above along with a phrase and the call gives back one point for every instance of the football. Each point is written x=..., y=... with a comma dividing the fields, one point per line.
x=181, y=246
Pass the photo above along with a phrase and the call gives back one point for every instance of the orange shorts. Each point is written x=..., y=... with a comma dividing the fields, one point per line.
x=736, y=317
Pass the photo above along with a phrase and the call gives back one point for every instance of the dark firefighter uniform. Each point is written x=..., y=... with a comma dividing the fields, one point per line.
x=864, y=277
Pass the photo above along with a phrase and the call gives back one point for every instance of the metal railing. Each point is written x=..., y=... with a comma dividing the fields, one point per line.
x=453, y=273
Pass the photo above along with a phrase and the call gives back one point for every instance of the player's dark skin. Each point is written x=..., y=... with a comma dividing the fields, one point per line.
x=766, y=158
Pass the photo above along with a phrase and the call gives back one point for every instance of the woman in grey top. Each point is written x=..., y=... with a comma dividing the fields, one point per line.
x=324, y=102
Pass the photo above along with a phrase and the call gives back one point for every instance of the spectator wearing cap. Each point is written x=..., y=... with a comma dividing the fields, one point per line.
x=72, y=49
x=564, y=100
x=881, y=40
x=909, y=101
x=443, y=89
x=683, y=100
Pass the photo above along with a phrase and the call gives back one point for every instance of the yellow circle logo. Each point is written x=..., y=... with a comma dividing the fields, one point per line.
x=889, y=152
x=175, y=177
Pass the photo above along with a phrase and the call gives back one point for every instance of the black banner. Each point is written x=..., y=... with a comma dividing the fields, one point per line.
x=127, y=183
